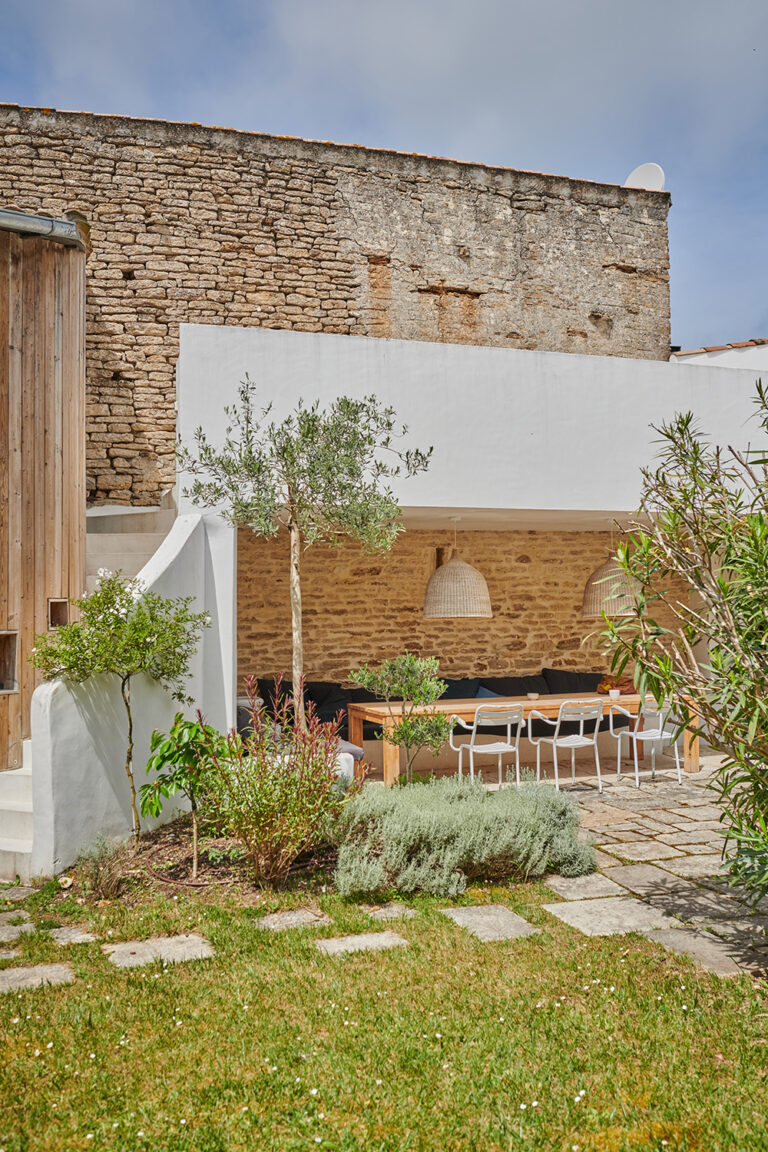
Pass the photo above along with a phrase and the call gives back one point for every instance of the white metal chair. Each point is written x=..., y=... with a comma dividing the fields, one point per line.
x=487, y=716
x=658, y=726
x=585, y=713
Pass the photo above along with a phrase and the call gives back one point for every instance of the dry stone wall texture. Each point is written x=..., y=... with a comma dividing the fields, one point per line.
x=212, y=226
x=362, y=609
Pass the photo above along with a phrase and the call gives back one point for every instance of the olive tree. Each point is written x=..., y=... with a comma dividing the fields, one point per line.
x=124, y=630
x=698, y=558
x=322, y=474
x=409, y=684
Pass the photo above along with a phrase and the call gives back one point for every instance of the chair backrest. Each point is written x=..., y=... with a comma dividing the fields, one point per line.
x=493, y=715
x=658, y=716
x=581, y=712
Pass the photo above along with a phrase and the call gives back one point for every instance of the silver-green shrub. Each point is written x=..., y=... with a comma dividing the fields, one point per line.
x=436, y=837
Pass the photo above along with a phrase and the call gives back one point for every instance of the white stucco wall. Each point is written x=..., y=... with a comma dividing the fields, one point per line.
x=511, y=429
x=753, y=359
x=79, y=732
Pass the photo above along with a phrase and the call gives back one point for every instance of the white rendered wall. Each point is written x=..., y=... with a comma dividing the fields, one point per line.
x=79, y=732
x=754, y=359
x=511, y=429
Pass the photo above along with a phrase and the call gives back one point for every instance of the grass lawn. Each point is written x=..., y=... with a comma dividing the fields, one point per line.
x=557, y=1041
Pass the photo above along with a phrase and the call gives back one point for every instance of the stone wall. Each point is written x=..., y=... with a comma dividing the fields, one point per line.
x=361, y=609
x=213, y=226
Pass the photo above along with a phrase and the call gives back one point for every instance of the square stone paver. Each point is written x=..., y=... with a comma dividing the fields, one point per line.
x=17, y=979
x=694, y=905
x=171, y=949
x=612, y=916
x=297, y=918
x=583, y=887
x=365, y=942
x=15, y=916
x=713, y=955
x=646, y=879
x=696, y=867
x=17, y=892
x=490, y=922
x=703, y=812
x=683, y=839
x=646, y=850
x=391, y=911
x=72, y=934
x=11, y=932
x=603, y=860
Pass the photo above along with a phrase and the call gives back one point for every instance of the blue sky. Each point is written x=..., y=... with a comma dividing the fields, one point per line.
x=588, y=88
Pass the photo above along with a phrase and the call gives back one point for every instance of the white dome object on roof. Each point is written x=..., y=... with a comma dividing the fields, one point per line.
x=648, y=176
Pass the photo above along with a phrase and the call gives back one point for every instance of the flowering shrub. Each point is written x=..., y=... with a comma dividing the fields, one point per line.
x=124, y=630
x=435, y=837
x=276, y=788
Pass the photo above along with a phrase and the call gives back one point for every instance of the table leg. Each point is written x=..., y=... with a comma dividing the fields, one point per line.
x=390, y=755
x=690, y=751
x=354, y=727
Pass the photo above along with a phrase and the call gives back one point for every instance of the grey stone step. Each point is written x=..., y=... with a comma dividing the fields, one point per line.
x=16, y=784
x=15, y=859
x=16, y=820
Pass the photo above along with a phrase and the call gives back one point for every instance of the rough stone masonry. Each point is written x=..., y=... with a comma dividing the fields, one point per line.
x=213, y=226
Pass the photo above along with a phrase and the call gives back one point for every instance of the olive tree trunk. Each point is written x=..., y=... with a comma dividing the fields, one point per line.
x=296, y=627
x=125, y=685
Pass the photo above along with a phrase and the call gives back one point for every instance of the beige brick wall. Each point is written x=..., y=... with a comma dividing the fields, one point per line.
x=212, y=226
x=361, y=609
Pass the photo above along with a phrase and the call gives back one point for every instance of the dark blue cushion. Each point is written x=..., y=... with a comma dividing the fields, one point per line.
x=485, y=692
x=460, y=689
x=561, y=682
x=515, y=685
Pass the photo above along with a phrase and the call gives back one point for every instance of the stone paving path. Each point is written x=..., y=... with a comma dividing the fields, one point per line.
x=661, y=846
x=296, y=918
x=365, y=942
x=490, y=922
x=169, y=949
x=391, y=911
x=17, y=979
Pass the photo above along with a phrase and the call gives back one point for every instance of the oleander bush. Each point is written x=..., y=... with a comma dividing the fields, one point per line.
x=437, y=837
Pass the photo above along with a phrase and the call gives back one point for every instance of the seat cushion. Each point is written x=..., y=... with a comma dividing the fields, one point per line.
x=460, y=689
x=561, y=682
x=514, y=685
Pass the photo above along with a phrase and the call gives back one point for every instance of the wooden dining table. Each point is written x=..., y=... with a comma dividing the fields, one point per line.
x=385, y=715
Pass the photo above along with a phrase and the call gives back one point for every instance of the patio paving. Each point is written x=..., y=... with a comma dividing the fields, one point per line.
x=673, y=836
x=584, y=887
x=16, y=892
x=72, y=934
x=364, y=942
x=611, y=916
x=491, y=922
x=295, y=918
x=169, y=949
x=391, y=911
x=38, y=976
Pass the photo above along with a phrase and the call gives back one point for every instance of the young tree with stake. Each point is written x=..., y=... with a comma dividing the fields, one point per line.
x=322, y=474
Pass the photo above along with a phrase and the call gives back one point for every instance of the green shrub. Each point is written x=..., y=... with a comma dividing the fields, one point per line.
x=276, y=790
x=436, y=837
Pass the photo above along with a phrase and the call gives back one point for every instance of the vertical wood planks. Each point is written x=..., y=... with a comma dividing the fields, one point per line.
x=42, y=452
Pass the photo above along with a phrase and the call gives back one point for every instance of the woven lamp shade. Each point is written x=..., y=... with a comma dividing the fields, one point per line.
x=456, y=589
x=608, y=590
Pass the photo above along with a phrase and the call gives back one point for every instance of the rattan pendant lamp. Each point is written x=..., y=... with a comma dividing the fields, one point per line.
x=456, y=590
x=609, y=590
